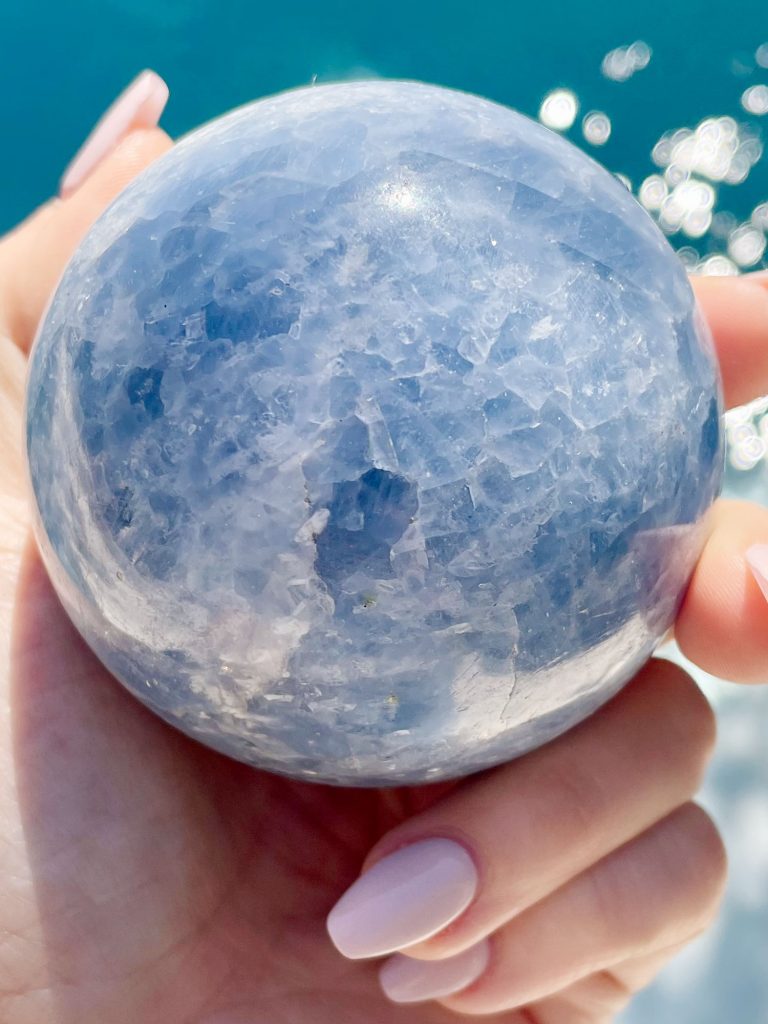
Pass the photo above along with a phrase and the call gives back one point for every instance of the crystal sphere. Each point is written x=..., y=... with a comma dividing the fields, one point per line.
x=371, y=430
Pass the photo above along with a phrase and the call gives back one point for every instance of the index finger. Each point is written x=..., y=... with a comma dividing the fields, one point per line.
x=736, y=309
x=33, y=256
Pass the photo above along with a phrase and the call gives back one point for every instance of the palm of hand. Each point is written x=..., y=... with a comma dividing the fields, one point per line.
x=173, y=884
x=143, y=877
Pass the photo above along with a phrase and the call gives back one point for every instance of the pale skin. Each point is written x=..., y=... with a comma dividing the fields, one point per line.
x=146, y=879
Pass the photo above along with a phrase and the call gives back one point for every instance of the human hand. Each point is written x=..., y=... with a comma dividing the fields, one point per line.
x=146, y=878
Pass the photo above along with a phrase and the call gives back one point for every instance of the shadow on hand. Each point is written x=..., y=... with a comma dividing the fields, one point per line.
x=172, y=884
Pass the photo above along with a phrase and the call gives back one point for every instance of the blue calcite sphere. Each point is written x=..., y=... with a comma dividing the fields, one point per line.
x=371, y=431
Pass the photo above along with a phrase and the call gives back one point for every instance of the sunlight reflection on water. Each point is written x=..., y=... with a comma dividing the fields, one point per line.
x=693, y=175
x=684, y=193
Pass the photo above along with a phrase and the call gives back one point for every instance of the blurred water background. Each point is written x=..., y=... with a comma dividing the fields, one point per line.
x=672, y=96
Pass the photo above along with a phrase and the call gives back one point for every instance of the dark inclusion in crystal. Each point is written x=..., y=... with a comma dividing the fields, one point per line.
x=371, y=432
x=367, y=516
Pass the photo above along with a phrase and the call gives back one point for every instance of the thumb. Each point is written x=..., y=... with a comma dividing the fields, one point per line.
x=33, y=256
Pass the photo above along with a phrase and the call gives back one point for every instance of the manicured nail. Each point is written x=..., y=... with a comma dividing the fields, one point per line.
x=412, y=981
x=757, y=560
x=139, y=106
x=405, y=898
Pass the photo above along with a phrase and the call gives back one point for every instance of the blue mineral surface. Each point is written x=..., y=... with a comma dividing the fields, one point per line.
x=371, y=431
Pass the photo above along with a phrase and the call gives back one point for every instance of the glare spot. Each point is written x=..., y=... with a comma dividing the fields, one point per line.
x=718, y=149
x=746, y=445
x=742, y=64
x=662, y=151
x=558, y=109
x=741, y=430
x=723, y=223
x=747, y=455
x=718, y=266
x=701, y=195
x=755, y=99
x=752, y=148
x=597, y=128
x=683, y=191
x=640, y=54
x=689, y=257
x=653, y=192
x=675, y=174
x=696, y=223
x=746, y=245
x=739, y=169
x=688, y=208
x=623, y=62
x=745, y=413
x=403, y=196
x=759, y=217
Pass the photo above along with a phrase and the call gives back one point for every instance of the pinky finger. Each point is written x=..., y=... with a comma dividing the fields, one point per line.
x=722, y=625
x=656, y=891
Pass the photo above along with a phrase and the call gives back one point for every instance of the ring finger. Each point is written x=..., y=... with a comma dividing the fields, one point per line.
x=649, y=896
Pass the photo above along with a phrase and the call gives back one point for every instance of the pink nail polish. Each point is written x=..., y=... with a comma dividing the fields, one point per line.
x=405, y=980
x=757, y=560
x=405, y=898
x=139, y=106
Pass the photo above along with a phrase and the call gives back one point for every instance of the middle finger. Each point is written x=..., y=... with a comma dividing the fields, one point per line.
x=536, y=823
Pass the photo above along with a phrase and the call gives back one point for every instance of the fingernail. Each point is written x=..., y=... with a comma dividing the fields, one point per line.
x=757, y=560
x=405, y=980
x=139, y=106
x=405, y=898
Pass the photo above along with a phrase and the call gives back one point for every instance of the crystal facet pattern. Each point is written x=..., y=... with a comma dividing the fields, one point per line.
x=371, y=432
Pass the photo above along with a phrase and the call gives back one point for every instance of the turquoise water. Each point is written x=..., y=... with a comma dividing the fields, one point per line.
x=61, y=64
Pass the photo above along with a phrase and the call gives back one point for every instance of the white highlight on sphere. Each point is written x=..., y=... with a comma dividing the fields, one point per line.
x=597, y=128
x=558, y=109
x=761, y=55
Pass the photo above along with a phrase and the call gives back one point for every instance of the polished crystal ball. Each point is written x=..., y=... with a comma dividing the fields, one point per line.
x=371, y=431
